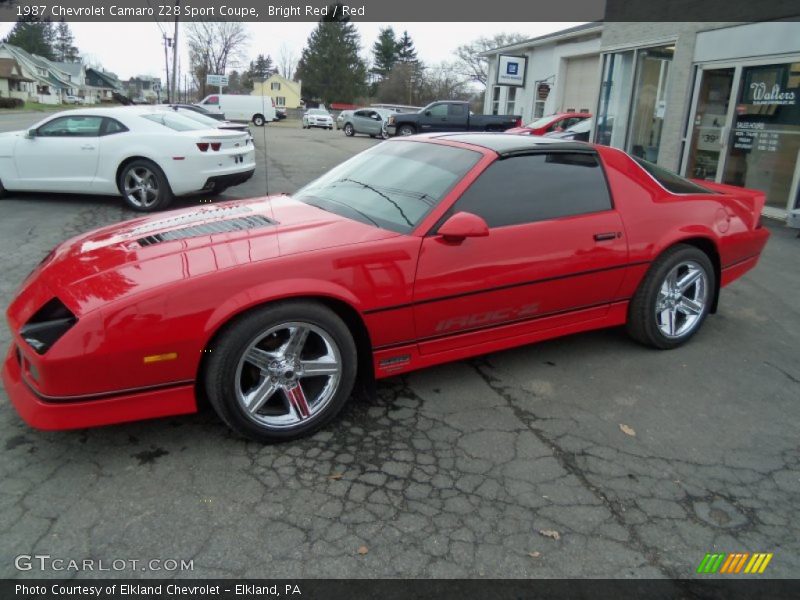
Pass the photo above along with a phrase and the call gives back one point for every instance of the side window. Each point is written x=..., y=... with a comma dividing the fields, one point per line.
x=361, y=113
x=456, y=110
x=72, y=126
x=112, y=126
x=440, y=110
x=537, y=187
x=212, y=100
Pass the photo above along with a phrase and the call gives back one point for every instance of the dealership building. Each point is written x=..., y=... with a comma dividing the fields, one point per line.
x=714, y=101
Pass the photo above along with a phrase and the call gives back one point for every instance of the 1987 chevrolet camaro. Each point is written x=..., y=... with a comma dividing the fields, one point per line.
x=416, y=252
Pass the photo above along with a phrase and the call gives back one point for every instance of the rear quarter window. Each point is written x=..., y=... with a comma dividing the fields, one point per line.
x=672, y=182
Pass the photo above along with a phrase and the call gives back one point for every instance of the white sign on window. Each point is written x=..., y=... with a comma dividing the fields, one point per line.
x=511, y=70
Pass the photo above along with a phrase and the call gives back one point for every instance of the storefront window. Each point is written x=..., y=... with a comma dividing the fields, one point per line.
x=615, y=94
x=496, y=100
x=649, y=101
x=765, y=140
x=511, y=101
x=710, y=121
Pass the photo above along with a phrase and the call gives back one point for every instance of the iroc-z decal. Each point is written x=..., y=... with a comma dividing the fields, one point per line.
x=487, y=318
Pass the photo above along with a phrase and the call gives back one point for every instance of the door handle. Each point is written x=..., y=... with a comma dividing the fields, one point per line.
x=87, y=147
x=609, y=235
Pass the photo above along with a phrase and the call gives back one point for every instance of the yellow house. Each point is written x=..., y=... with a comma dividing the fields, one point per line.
x=285, y=91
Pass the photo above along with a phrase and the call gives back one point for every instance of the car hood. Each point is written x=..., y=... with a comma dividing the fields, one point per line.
x=122, y=259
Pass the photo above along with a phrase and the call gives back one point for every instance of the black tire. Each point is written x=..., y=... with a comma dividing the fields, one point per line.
x=645, y=324
x=223, y=374
x=3, y=191
x=158, y=197
x=259, y=120
x=349, y=130
x=404, y=130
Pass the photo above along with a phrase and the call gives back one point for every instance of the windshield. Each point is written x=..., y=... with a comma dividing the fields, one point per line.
x=581, y=127
x=541, y=122
x=208, y=121
x=176, y=121
x=393, y=185
x=669, y=180
x=317, y=111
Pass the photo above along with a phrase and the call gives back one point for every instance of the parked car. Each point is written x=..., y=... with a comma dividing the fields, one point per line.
x=342, y=117
x=280, y=114
x=578, y=132
x=209, y=121
x=410, y=254
x=448, y=116
x=317, y=117
x=199, y=109
x=238, y=107
x=370, y=121
x=73, y=100
x=551, y=123
x=147, y=154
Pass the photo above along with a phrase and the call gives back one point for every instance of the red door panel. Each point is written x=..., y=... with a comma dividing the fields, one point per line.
x=516, y=275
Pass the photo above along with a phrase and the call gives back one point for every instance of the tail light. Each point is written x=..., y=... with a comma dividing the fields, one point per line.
x=203, y=146
x=215, y=146
x=47, y=325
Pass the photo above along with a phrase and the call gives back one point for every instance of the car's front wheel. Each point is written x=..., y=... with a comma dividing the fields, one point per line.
x=144, y=186
x=674, y=298
x=406, y=130
x=349, y=131
x=282, y=371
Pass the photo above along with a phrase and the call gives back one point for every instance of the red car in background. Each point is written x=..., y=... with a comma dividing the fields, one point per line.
x=418, y=251
x=551, y=123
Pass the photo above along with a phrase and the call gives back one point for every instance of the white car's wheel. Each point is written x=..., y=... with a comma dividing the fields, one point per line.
x=258, y=120
x=144, y=186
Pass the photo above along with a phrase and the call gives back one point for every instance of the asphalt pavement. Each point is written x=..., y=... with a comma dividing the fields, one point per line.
x=587, y=456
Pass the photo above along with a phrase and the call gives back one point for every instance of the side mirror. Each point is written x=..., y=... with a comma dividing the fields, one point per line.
x=427, y=113
x=463, y=225
x=30, y=134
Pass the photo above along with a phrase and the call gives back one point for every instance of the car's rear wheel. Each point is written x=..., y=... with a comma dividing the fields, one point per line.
x=349, y=131
x=258, y=120
x=674, y=298
x=282, y=371
x=144, y=186
x=406, y=130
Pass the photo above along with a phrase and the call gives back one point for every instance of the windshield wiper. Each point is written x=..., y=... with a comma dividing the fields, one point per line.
x=363, y=214
x=382, y=195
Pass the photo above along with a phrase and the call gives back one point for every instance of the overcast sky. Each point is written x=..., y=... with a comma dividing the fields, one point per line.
x=130, y=49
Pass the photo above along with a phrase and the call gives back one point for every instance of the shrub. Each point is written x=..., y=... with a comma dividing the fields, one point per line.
x=11, y=103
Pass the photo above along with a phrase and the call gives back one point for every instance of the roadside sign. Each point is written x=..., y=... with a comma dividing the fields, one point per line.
x=220, y=80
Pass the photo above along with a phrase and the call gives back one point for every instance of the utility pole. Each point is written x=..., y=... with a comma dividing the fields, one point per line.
x=175, y=52
x=166, y=63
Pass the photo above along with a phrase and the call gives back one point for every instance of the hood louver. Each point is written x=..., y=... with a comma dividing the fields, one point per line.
x=238, y=224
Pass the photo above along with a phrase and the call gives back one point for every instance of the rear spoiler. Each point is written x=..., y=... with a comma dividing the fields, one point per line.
x=752, y=200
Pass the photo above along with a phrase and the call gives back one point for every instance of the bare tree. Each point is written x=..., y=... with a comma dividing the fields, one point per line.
x=287, y=61
x=213, y=47
x=475, y=66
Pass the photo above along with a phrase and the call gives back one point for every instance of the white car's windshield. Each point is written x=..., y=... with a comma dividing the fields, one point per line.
x=317, y=111
x=207, y=121
x=393, y=185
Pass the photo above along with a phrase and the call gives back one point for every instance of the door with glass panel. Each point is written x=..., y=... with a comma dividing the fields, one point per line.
x=710, y=124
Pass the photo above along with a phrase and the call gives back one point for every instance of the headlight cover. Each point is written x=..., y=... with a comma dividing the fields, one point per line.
x=47, y=325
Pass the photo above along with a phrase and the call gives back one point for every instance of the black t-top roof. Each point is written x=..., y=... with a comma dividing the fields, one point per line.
x=506, y=144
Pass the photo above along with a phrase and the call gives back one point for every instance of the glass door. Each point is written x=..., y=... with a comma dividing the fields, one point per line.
x=712, y=115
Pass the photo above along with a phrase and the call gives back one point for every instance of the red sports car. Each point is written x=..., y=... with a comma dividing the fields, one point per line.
x=551, y=123
x=416, y=252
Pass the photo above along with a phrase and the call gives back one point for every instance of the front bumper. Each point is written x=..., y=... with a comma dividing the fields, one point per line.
x=78, y=414
x=227, y=180
x=391, y=130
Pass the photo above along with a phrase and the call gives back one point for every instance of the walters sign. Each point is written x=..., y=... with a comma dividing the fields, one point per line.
x=761, y=93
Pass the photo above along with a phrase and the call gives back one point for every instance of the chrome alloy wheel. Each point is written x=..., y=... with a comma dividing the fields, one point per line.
x=288, y=374
x=682, y=299
x=141, y=187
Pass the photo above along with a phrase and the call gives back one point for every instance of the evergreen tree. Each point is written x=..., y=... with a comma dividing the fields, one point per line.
x=262, y=66
x=64, y=47
x=406, y=52
x=33, y=36
x=385, y=52
x=330, y=67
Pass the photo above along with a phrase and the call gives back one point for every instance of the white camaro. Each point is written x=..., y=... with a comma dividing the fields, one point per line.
x=149, y=155
x=317, y=117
